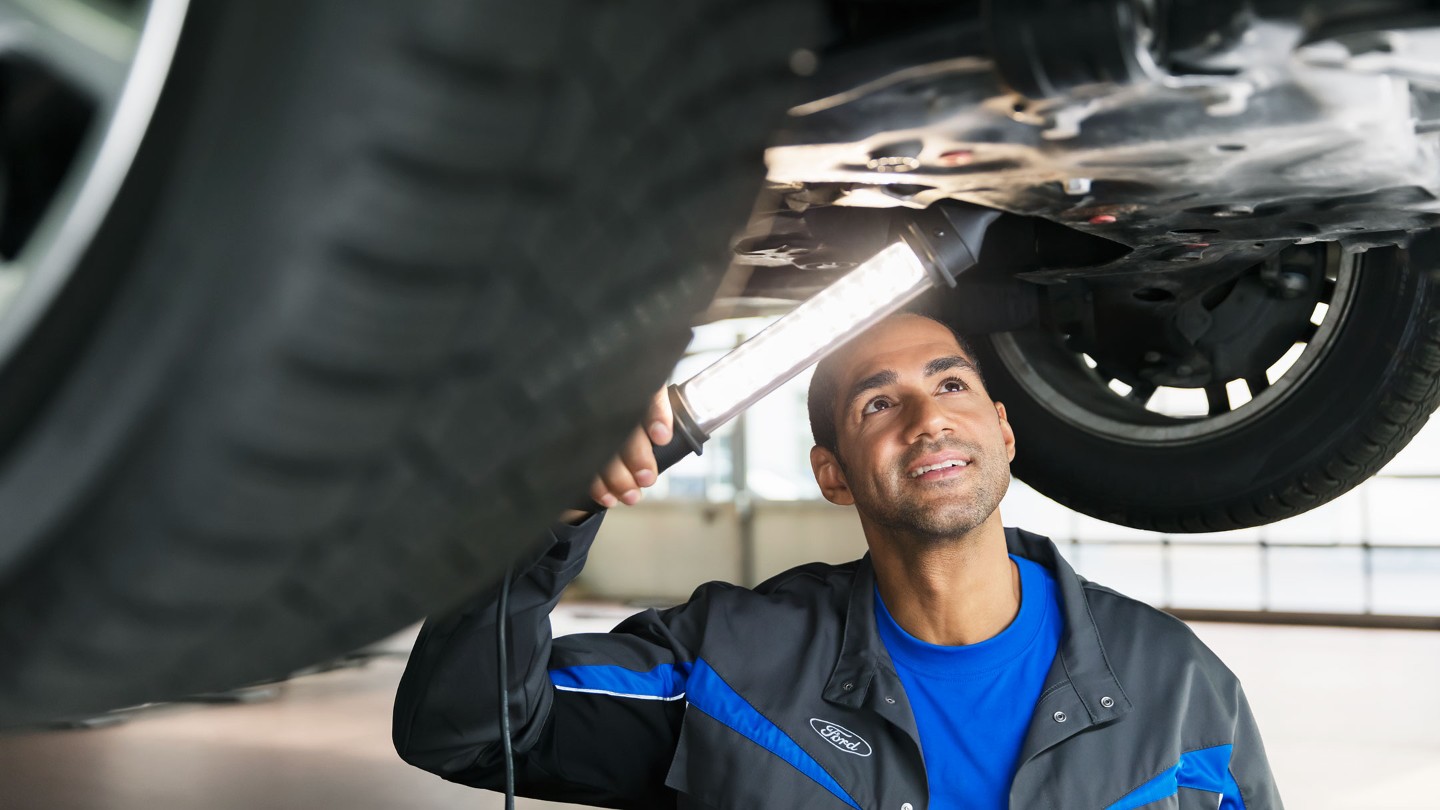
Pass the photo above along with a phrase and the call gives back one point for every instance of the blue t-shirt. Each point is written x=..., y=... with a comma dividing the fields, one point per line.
x=972, y=703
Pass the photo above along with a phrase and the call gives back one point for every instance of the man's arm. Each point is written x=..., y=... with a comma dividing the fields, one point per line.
x=1248, y=763
x=570, y=746
x=446, y=710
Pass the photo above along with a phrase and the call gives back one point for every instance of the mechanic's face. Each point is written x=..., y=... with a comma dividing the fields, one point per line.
x=922, y=449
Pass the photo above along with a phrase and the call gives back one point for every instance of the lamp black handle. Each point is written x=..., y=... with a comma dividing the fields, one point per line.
x=669, y=454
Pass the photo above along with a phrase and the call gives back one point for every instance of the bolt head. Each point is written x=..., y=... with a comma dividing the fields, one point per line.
x=804, y=62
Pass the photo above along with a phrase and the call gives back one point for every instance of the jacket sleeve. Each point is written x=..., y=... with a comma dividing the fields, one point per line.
x=605, y=738
x=1248, y=764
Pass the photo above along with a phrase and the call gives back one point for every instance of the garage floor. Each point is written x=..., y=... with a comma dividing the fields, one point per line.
x=1351, y=717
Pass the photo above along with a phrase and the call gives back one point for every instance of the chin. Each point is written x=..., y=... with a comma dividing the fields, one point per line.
x=944, y=524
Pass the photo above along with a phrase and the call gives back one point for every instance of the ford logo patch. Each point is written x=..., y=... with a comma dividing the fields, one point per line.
x=840, y=737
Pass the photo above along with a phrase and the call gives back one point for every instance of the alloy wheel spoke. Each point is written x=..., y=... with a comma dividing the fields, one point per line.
x=1257, y=384
x=88, y=43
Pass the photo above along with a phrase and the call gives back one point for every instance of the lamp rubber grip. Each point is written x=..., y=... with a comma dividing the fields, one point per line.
x=669, y=454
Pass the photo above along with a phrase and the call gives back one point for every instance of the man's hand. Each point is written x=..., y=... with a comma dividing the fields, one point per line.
x=634, y=467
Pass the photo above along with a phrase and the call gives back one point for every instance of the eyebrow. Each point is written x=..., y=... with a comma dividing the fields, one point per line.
x=943, y=364
x=880, y=379
x=877, y=380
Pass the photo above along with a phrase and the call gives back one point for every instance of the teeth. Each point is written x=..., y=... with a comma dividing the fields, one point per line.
x=942, y=465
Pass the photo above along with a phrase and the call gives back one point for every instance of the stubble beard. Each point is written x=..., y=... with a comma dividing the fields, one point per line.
x=936, y=519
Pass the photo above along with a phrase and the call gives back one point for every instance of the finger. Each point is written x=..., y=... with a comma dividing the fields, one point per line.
x=660, y=419
x=619, y=482
x=601, y=495
x=639, y=457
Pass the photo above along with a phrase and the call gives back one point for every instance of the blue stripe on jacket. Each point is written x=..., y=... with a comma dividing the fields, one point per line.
x=665, y=682
x=704, y=689
x=1207, y=769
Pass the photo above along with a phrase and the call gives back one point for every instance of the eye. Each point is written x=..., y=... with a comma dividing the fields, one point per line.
x=876, y=404
x=953, y=385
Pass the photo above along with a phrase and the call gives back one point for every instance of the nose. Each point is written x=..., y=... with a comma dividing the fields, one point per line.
x=929, y=419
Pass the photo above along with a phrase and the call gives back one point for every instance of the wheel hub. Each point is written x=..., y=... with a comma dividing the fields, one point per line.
x=91, y=72
x=1176, y=359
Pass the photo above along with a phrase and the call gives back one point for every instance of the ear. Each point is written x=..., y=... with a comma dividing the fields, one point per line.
x=830, y=477
x=1006, y=432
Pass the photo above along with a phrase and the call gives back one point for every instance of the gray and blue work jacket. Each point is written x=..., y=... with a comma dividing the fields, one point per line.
x=784, y=697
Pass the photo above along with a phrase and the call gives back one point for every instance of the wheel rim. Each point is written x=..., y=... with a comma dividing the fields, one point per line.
x=1069, y=386
x=113, y=57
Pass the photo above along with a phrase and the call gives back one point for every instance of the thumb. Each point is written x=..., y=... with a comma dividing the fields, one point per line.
x=659, y=420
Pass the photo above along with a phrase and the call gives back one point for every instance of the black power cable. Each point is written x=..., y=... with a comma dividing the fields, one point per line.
x=502, y=617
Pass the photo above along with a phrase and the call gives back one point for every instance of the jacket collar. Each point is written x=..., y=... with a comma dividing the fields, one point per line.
x=861, y=649
x=1081, y=681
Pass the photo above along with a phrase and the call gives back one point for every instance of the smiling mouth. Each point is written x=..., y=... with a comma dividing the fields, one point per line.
x=939, y=468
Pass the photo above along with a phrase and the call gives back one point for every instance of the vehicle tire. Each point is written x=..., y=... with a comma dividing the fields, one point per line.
x=1372, y=385
x=384, y=285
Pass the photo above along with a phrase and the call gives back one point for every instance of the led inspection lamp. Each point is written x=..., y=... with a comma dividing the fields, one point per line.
x=936, y=246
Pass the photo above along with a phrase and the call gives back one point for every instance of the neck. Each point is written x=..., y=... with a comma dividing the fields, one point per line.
x=949, y=591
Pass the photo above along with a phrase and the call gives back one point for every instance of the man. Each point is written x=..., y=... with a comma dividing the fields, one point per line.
x=959, y=664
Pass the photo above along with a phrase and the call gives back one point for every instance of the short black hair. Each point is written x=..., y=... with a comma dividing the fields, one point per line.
x=820, y=399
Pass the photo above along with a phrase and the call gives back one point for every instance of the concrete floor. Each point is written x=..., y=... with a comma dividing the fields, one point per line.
x=1351, y=719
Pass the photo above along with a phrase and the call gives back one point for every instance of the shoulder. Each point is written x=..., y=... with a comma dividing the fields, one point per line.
x=1119, y=615
x=1143, y=641
x=796, y=601
x=811, y=577
x=1130, y=632
x=808, y=584
x=758, y=638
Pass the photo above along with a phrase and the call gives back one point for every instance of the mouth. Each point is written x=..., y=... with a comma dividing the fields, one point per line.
x=939, y=468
